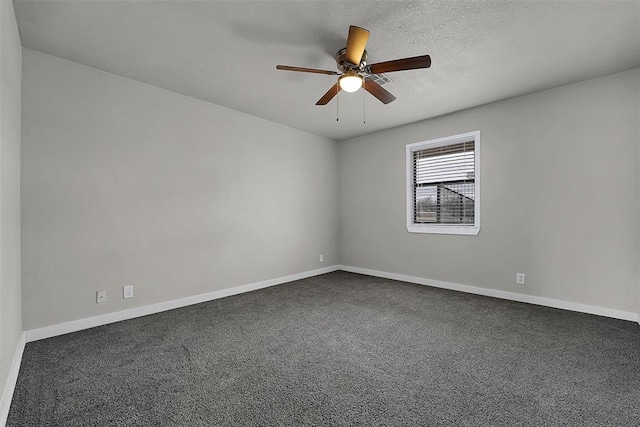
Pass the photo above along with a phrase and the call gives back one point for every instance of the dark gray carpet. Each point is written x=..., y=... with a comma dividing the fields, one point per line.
x=338, y=349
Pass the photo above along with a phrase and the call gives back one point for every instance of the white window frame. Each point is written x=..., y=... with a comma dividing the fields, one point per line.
x=414, y=227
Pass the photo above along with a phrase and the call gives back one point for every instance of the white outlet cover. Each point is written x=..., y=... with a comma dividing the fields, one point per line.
x=127, y=291
x=101, y=297
x=520, y=278
x=321, y=258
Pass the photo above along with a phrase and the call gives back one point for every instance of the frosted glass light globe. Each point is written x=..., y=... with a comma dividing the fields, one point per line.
x=350, y=82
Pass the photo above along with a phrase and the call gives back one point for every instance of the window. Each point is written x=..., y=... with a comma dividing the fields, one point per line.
x=443, y=185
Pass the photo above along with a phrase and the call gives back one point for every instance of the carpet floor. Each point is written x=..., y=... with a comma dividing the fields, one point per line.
x=339, y=349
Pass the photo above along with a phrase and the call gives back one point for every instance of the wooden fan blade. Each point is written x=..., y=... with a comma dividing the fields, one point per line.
x=306, y=70
x=378, y=91
x=423, y=61
x=329, y=95
x=356, y=43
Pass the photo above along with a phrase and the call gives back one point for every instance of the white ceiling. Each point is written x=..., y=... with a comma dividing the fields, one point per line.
x=225, y=52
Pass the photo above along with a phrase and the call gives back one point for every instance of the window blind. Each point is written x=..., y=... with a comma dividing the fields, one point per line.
x=444, y=184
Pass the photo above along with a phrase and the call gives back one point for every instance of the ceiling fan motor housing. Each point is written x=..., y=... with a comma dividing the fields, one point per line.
x=344, y=65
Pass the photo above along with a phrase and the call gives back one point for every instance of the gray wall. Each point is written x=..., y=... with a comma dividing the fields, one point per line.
x=10, y=77
x=126, y=183
x=559, y=197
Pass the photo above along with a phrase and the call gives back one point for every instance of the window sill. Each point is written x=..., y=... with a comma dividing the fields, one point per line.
x=443, y=229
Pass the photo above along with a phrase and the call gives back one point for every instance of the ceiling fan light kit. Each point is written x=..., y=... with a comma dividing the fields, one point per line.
x=350, y=81
x=355, y=73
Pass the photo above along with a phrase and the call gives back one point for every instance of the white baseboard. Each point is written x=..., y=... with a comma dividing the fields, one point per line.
x=513, y=296
x=90, y=322
x=12, y=377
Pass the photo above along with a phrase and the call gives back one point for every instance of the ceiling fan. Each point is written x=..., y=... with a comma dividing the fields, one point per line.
x=355, y=72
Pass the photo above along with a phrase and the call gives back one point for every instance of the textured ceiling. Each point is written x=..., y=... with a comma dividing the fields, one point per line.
x=226, y=52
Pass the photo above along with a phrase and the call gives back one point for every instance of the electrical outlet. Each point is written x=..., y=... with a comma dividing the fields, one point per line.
x=101, y=297
x=520, y=278
x=321, y=258
x=127, y=291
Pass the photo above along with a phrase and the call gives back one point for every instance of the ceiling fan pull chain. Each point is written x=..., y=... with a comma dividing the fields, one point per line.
x=337, y=103
x=364, y=111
